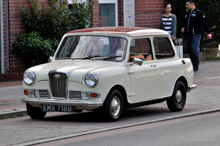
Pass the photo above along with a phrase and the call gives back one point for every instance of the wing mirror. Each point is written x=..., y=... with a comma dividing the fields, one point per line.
x=50, y=59
x=137, y=61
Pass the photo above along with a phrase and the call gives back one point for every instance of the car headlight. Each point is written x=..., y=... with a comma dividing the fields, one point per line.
x=29, y=77
x=91, y=80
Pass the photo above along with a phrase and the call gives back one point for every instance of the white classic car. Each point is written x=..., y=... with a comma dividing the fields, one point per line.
x=109, y=69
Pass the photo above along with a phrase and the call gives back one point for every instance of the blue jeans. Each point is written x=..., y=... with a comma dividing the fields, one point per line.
x=193, y=42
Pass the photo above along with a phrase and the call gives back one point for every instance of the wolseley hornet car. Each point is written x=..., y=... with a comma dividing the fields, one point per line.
x=108, y=69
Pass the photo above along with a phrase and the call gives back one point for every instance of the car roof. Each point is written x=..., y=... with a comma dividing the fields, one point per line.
x=129, y=31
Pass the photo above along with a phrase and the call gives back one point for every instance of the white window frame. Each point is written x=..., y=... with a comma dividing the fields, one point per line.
x=116, y=8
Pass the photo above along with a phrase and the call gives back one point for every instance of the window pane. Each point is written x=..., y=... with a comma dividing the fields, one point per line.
x=141, y=49
x=163, y=48
x=106, y=15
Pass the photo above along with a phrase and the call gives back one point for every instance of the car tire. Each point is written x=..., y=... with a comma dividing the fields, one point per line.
x=113, y=106
x=35, y=112
x=178, y=99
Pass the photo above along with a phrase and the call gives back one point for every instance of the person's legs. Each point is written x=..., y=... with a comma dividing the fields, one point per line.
x=188, y=43
x=195, y=50
x=193, y=43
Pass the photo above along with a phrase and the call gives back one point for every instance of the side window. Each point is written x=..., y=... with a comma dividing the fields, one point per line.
x=163, y=48
x=141, y=49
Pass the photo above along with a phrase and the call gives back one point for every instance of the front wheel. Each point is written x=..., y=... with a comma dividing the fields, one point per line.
x=35, y=112
x=178, y=99
x=113, y=106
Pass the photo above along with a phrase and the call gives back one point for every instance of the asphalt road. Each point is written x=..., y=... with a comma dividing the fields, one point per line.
x=199, y=130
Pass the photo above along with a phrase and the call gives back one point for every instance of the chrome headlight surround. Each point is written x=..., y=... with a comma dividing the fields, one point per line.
x=29, y=77
x=91, y=80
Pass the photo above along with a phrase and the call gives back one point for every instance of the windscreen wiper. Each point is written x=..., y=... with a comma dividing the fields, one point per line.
x=105, y=57
x=111, y=57
x=86, y=57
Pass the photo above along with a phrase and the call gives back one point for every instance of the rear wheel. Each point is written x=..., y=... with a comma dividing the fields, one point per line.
x=178, y=99
x=113, y=106
x=35, y=112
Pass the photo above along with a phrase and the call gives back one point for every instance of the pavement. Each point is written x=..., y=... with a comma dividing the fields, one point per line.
x=11, y=94
x=208, y=75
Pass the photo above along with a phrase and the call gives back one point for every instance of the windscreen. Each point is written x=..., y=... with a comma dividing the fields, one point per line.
x=86, y=47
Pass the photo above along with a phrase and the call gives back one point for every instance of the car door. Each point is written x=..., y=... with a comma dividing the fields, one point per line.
x=168, y=64
x=144, y=79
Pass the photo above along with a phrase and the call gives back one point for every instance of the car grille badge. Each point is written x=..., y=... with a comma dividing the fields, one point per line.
x=57, y=76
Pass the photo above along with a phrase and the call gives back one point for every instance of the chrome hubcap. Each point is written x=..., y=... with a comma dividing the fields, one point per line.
x=179, y=96
x=115, y=106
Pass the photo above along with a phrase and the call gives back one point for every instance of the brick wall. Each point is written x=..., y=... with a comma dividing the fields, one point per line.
x=147, y=13
x=95, y=16
x=16, y=26
x=120, y=13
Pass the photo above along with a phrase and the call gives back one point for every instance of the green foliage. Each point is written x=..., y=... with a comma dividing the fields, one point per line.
x=212, y=58
x=48, y=21
x=54, y=20
x=81, y=14
x=14, y=116
x=32, y=45
x=211, y=9
x=47, y=24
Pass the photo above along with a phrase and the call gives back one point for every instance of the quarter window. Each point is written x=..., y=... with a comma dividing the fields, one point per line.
x=163, y=48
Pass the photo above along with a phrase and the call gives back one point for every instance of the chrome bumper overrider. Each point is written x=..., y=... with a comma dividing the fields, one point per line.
x=191, y=87
x=61, y=102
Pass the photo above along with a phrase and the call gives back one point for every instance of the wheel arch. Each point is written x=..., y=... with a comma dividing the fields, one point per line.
x=183, y=79
x=123, y=92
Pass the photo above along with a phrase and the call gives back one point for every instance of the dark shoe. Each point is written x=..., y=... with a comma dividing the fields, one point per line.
x=195, y=69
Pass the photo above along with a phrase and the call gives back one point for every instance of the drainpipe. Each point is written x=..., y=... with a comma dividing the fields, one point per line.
x=7, y=33
x=1, y=37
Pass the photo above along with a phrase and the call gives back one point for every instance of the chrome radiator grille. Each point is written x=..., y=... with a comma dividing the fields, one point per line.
x=58, y=84
x=78, y=95
x=42, y=93
x=75, y=95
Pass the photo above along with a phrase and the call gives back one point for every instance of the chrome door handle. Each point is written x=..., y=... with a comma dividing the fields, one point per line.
x=153, y=65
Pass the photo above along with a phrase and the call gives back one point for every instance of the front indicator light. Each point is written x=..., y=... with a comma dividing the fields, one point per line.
x=30, y=92
x=25, y=92
x=93, y=95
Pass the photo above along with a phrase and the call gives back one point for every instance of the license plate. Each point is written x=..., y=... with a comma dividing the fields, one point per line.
x=56, y=108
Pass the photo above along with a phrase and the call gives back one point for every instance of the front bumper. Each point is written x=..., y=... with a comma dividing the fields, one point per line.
x=191, y=87
x=60, y=102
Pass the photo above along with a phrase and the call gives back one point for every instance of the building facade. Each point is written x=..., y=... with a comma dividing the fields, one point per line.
x=139, y=13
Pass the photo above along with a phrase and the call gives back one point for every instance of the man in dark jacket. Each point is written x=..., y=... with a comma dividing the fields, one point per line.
x=193, y=22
